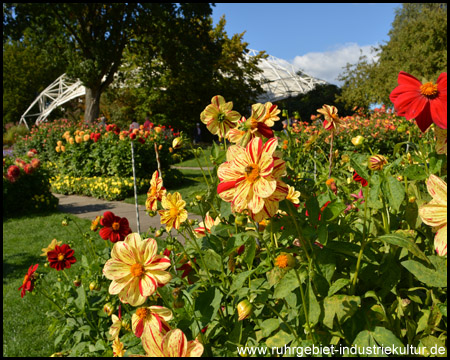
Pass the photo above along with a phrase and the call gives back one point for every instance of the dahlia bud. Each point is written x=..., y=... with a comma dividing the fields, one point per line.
x=108, y=308
x=177, y=142
x=376, y=162
x=244, y=309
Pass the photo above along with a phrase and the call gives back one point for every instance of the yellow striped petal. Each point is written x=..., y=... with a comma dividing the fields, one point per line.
x=194, y=349
x=175, y=344
x=440, y=241
x=437, y=188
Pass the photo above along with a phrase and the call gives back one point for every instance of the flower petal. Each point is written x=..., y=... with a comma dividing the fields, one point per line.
x=175, y=344
x=437, y=188
x=440, y=241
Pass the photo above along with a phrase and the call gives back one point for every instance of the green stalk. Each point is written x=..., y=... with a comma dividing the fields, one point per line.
x=363, y=244
x=291, y=329
x=200, y=166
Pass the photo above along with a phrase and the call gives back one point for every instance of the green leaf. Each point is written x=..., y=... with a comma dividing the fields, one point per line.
x=250, y=250
x=80, y=301
x=404, y=242
x=386, y=338
x=207, y=305
x=287, y=285
x=394, y=192
x=333, y=210
x=280, y=339
x=337, y=285
x=240, y=279
x=356, y=161
x=341, y=306
x=415, y=172
x=314, y=307
x=426, y=275
x=268, y=326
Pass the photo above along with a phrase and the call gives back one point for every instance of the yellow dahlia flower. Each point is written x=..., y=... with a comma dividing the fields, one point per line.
x=136, y=270
x=174, y=213
x=332, y=120
x=146, y=317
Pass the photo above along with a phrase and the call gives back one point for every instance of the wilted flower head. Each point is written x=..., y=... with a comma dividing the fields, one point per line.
x=332, y=120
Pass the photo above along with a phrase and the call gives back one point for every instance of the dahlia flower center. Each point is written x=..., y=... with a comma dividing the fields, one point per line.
x=136, y=270
x=282, y=261
x=252, y=172
x=221, y=117
x=60, y=257
x=429, y=89
x=174, y=212
x=142, y=313
x=115, y=226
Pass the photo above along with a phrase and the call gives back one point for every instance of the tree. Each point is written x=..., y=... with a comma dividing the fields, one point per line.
x=417, y=45
x=26, y=72
x=195, y=61
x=90, y=36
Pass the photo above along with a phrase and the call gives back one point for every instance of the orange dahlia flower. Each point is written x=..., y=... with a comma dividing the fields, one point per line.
x=427, y=103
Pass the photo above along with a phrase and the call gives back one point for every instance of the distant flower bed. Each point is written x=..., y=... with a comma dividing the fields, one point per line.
x=26, y=187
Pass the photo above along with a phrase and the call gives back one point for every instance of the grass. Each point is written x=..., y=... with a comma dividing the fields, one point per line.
x=193, y=184
x=24, y=321
x=204, y=160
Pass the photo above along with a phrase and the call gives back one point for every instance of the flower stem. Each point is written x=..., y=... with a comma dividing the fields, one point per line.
x=363, y=244
x=331, y=154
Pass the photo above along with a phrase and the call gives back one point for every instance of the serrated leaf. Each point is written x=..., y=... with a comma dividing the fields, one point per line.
x=386, y=338
x=338, y=285
x=426, y=275
x=268, y=326
x=286, y=285
x=80, y=301
x=404, y=242
x=280, y=339
x=341, y=306
x=394, y=192
x=415, y=172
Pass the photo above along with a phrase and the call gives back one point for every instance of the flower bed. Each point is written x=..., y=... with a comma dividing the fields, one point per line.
x=294, y=252
x=26, y=187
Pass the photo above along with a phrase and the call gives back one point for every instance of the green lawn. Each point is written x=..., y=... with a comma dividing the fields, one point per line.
x=204, y=160
x=193, y=184
x=24, y=322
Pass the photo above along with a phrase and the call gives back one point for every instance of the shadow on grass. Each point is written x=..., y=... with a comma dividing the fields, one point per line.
x=16, y=265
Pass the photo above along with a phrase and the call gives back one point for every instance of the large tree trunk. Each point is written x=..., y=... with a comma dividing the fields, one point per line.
x=92, y=105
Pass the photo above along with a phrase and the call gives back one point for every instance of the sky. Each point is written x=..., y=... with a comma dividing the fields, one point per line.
x=318, y=38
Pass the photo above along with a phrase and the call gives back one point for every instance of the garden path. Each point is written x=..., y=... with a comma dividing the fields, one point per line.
x=88, y=208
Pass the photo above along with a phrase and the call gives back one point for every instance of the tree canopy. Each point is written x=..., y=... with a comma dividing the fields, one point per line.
x=417, y=45
x=177, y=59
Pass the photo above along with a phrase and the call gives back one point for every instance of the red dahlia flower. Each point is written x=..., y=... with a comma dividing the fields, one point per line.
x=61, y=257
x=28, y=281
x=427, y=103
x=360, y=179
x=115, y=228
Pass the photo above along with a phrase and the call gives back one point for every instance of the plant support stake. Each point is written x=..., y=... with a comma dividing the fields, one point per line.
x=135, y=188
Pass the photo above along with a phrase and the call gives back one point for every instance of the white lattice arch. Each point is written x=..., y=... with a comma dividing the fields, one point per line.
x=59, y=92
x=280, y=80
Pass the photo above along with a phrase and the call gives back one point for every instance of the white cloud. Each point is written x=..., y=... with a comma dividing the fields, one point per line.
x=329, y=64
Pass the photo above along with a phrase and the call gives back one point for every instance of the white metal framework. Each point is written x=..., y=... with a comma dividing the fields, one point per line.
x=59, y=92
x=280, y=80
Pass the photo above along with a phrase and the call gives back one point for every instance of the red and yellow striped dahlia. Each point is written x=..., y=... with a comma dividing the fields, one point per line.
x=155, y=193
x=172, y=343
x=435, y=212
x=332, y=120
x=153, y=316
x=136, y=270
x=219, y=117
x=250, y=175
